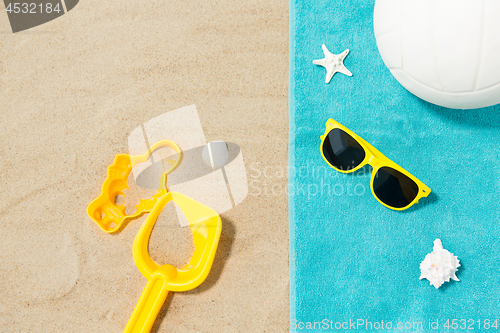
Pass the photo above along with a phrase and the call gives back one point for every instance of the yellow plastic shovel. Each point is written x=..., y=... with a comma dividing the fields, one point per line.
x=205, y=224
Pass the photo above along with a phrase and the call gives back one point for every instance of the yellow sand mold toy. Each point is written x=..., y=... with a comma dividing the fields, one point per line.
x=104, y=211
x=204, y=222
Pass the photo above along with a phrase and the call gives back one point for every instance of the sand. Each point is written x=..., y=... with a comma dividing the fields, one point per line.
x=71, y=92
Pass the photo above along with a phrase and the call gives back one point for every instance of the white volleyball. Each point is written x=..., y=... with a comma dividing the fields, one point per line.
x=446, y=52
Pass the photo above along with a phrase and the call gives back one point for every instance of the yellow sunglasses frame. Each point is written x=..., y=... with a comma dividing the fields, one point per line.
x=376, y=160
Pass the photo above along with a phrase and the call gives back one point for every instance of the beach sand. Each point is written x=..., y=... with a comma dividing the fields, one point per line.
x=71, y=92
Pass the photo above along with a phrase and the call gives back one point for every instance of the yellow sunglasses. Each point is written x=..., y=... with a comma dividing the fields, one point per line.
x=391, y=185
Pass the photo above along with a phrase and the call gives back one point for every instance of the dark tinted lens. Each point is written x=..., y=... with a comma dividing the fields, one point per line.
x=393, y=188
x=342, y=151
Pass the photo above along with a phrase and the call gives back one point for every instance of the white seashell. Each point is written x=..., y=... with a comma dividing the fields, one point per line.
x=439, y=266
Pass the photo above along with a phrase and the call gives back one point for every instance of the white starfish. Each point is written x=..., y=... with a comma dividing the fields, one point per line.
x=333, y=63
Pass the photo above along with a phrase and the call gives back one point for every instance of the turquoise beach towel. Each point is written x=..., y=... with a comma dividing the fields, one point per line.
x=354, y=264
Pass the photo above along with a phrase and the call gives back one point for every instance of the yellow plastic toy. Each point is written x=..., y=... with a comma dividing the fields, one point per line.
x=377, y=160
x=104, y=210
x=204, y=223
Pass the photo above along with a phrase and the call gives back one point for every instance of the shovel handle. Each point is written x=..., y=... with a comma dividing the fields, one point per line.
x=152, y=298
